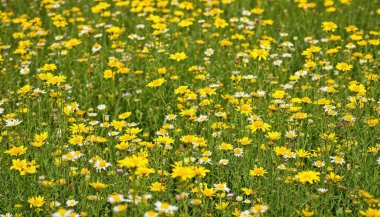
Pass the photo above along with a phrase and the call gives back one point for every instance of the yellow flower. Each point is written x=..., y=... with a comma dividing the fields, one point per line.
x=260, y=54
x=244, y=109
x=118, y=125
x=306, y=212
x=72, y=43
x=133, y=162
x=274, y=136
x=18, y=164
x=257, y=171
x=343, y=66
x=124, y=115
x=76, y=140
x=247, y=191
x=16, y=151
x=39, y=139
x=245, y=141
x=201, y=171
x=36, y=201
x=183, y=172
x=56, y=80
x=156, y=83
x=278, y=94
x=371, y=212
x=372, y=122
x=332, y=177
x=221, y=206
x=107, y=74
x=98, y=185
x=178, y=56
x=208, y=192
x=24, y=89
x=308, y=177
x=181, y=90
x=259, y=125
x=49, y=67
x=144, y=171
x=220, y=23
x=329, y=26
x=257, y=10
x=225, y=146
x=157, y=186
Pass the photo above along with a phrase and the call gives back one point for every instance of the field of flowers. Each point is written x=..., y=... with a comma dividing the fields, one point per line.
x=149, y=108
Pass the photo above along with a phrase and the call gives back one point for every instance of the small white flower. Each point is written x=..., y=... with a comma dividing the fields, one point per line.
x=209, y=52
x=170, y=117
x=277, y=62
x=63, y=213
x=101, y=165
x=24, y=71
x=101, y=107
x=12, y=122
x=286, y=55
x=96, y=48
x=71, y=203
x=291, y=134
x=164, y=207
x=337, y=160
x=245, y=213
x=116, y=198
x=140, y=26
x=261, y=93
x=224, y=162
x=202, y=118
x=55, y=203
x=150, y=214
x=322, y=190
x=221, y=187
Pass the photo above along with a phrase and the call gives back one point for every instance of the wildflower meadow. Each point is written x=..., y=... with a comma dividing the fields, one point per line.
x=204, y=108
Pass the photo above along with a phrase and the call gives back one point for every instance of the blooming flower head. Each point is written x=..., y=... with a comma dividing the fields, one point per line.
x=164, y=207
x=258, y=209
x=38, y=201
x=342, y=66
x=184, y=172
x=98, y=185
x=156, y=83
x=116, y=198
x=260, y=54
x=337, y=160
x=221, y=187
x=307, y=177
x=157, y=186
x=62, y=212
x=12, y=122
x=209, y=52
x=179, y=56
x=329, y=26
x=101, y=165
x=259, y=125
x=133, y=161
x=257, y=171
x=71, y=203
